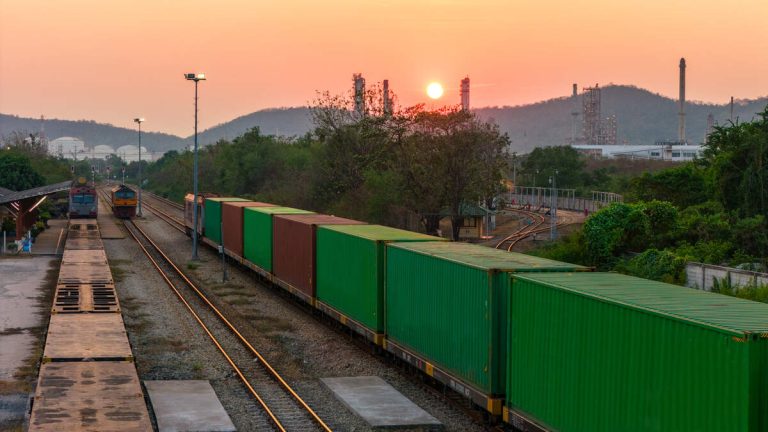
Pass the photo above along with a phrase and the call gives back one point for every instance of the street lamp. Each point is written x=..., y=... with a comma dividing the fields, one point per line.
x=196, y=77
x=139, y=120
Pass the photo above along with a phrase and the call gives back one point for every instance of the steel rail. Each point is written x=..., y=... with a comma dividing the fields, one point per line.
x=172, y=221
x=215, y=341
x=231, y=327
x=234, y=330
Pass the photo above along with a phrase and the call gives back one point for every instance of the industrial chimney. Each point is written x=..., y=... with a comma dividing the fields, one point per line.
x=359, y=94
x=465, y=94
x=574, y=113
x=681, y=126
x=386, y=99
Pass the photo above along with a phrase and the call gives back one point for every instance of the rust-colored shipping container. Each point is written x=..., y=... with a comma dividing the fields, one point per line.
x=232, y=221
x=293, y=252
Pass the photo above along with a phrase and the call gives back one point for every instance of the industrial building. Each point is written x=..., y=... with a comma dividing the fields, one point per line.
x=599, y=137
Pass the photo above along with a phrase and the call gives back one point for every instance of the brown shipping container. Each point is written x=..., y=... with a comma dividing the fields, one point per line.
x=293, y=251
x=232, y=220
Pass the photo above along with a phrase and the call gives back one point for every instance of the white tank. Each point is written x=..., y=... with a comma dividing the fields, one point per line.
x=68, y=147
x=130, y=153
x=102, y=151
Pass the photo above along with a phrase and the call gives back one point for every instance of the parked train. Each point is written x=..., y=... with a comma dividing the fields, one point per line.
x=548, y=345
x=83, y=202
x=124, y=201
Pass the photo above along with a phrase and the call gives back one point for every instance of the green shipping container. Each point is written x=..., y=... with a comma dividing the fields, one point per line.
x=257, y=233
x=350, y=269
x=604, y=352
x=213, y=217
x=448, y=303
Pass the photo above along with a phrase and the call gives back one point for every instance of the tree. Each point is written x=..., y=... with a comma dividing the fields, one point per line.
x=737, y=158
x=683, y=186
x=430, y=162
x=16, y=172
x=565, y=159
x=449, y=158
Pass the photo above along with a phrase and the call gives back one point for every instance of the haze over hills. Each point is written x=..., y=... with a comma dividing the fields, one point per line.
x=642, y=116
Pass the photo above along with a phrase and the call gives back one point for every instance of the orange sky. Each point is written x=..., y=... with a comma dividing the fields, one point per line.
x=111, y=61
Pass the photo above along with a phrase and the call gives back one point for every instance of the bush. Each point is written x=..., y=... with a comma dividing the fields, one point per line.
x=663, y=266
x=571, y=249
x=749, y=292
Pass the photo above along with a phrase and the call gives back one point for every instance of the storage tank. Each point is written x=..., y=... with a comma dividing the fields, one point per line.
x=102, y=151
x=130, y=153
x=67, y=147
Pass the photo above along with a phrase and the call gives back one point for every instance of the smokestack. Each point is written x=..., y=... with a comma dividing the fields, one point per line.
x=359, y=94
x=385, y=96
x=574, y=114
x=465, y=94
x=731, y=118
x=681, y=126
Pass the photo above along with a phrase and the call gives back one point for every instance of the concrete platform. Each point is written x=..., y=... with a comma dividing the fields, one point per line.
x=379, y=404
x=108, y=223
x=51, y=241
x=189, y=405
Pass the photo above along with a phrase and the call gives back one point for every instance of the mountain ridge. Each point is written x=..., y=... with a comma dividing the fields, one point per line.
x=642, y=116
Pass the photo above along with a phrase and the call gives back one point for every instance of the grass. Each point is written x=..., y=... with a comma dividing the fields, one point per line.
x=193, y=265
x=165, y=344
x=240, y=301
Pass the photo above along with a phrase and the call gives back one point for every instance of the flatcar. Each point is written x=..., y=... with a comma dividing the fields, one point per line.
x=124, y=201
x=82, y=200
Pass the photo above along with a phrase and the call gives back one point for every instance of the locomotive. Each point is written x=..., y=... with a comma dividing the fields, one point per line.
x=82, y=200
x=124, y=201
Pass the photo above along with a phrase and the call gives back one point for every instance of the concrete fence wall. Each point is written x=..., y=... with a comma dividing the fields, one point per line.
x=703, y=276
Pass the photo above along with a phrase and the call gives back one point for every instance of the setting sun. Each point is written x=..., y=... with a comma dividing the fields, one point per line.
x=435, y=90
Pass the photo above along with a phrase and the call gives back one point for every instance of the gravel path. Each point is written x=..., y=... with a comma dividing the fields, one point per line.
x=299, y=343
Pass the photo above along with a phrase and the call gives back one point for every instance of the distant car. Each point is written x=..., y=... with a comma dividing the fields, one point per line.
x=124, y=202
x=82, y=200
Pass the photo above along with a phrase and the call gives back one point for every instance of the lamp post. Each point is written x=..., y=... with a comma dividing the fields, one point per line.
x=139, y=120
x=196, y=77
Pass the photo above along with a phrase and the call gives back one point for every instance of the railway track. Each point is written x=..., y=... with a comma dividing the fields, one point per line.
x=511, y=240
x=283, y=407
x=173, y=221
x=538, y=226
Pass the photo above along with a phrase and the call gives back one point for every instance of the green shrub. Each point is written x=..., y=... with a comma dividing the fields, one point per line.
x=657, y=265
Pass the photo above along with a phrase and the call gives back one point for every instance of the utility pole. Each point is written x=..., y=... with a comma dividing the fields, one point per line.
x=138, y=209
x=553, y=207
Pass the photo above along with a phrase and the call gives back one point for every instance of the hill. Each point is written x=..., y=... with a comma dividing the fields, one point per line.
x=91, y=132
x=276, y=121
x=643, y=117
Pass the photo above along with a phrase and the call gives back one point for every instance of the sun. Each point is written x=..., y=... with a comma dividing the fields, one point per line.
x=435, y=90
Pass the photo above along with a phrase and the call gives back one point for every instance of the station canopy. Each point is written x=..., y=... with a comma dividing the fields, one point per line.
x=8, y=196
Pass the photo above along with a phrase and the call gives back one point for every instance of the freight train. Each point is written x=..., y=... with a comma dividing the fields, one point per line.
x=547, y=345
x=124, y=201
x=82, y=200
